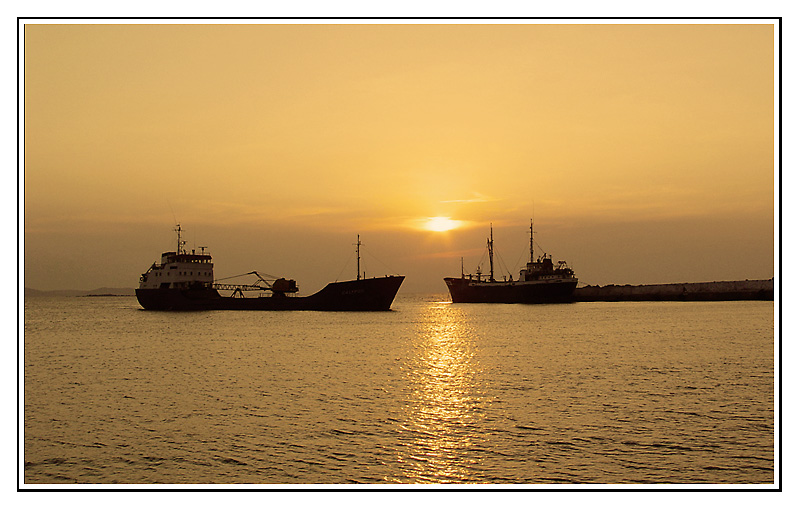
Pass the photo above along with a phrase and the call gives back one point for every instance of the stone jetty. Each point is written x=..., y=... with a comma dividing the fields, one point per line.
x=704, y=291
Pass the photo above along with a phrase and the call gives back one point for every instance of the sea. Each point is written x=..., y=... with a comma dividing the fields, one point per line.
x=624, y=394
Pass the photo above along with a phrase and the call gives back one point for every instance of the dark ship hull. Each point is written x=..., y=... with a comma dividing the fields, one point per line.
x=465, y=290
x=369, y=294
x=540, y=281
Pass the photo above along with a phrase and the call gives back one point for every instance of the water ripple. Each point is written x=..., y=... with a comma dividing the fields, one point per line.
x=434, y=393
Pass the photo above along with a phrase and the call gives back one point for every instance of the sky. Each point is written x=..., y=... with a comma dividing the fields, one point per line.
x=643, y=152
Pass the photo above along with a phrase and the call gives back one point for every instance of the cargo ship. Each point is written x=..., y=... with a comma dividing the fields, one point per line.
x=540, y=281
x=185, y=281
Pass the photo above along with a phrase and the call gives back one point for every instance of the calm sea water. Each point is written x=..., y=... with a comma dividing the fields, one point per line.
x=431, y=392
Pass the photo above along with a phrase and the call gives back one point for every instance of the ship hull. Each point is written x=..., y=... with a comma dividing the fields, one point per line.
x=372, y=294
x=463, y=290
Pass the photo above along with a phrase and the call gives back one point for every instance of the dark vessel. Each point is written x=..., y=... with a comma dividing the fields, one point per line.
x=185, y=281
x=540, y=281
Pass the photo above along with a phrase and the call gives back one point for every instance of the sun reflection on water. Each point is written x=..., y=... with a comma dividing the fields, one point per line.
x=443, y=409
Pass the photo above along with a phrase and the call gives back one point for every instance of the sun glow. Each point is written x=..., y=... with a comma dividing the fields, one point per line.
x=441, y=224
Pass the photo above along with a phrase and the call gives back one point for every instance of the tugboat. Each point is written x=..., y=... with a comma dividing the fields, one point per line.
x=540, y=281
x=185, y=281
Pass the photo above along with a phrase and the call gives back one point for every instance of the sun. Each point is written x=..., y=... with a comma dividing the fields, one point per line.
x=441, y=224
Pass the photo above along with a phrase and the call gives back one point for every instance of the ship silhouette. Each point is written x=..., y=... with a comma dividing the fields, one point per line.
x=185, y=281
x=540, y=281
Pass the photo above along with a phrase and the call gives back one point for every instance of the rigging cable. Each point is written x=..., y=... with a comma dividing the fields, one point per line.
x=480, y=262
x=344, y=267
x=516, y=264
x=502, y=263
x=391, y=271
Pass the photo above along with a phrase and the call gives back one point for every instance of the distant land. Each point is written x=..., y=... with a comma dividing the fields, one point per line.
x=102, y=291
x=703, y=291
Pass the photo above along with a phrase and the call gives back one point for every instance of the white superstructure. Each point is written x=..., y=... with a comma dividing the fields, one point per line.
x=179, y=269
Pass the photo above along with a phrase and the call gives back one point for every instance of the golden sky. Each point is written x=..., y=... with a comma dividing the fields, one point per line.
x=645, y=150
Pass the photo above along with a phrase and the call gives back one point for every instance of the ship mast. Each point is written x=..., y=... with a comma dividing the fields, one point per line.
x=358, y=257
x=531, y=240
x=490, y=243
x=180, y=243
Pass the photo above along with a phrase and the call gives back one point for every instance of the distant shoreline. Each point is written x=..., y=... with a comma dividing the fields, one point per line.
x=101, y=292
x=702, y=291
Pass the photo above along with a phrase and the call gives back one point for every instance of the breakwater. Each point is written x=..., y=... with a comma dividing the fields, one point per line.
x=704, y=291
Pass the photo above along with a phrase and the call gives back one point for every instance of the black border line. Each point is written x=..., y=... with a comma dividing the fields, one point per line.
x=446, y=487
x=777, y=409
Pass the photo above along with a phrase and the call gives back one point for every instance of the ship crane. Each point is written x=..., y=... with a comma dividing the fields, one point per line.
x=278, y=286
